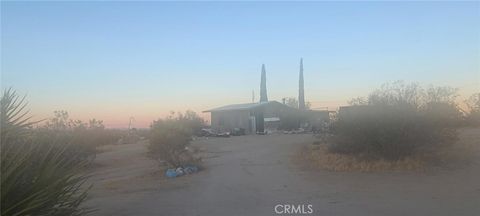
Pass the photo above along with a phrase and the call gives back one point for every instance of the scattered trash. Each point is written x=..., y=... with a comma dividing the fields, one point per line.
x=171, y=173
x=297, y=131
x=189, y=169
x=179, y=171
x=226, y=134
x=208, y=132
x=238, y=131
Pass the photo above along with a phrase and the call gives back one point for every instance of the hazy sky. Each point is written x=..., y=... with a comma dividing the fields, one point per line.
x=113, y=60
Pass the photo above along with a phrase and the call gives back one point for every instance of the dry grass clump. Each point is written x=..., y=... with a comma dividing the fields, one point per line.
x=448, y=156
x=319, y=157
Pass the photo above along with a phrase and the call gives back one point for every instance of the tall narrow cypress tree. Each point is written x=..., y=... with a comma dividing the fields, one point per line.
x=263, y=86
x=301, y=96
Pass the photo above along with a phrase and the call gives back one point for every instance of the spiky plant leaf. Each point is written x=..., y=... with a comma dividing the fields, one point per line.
x=37, y=176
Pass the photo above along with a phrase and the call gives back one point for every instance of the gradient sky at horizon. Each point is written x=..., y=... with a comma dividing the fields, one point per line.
x=113, y=60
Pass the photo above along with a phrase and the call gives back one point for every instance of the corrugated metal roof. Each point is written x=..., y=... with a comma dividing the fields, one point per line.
x=245, y=106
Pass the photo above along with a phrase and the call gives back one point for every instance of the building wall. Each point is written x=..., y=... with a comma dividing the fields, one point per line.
x=226, y=121
x=252, y=120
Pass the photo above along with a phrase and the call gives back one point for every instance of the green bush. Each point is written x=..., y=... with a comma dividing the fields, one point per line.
x=37, y=176
x=169, y=139
x=397, y=121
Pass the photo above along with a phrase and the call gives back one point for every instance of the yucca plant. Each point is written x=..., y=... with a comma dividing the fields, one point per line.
x=37, y=178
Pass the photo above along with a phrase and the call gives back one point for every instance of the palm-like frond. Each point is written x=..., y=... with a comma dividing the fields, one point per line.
x=37, y=177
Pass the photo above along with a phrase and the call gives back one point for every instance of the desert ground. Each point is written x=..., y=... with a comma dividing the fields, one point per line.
x=249, y=175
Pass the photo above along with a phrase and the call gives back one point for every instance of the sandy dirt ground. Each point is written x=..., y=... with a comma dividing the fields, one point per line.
x=249, y=175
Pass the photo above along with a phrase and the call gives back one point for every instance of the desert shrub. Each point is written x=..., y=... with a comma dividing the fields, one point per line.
x=37, y=177
x=170, y=137
x=397, y=121
x=190, y=120
x=473, y=116
x=84, y=137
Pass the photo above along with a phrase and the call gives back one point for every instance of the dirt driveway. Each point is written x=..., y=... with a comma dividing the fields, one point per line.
x=250, y=175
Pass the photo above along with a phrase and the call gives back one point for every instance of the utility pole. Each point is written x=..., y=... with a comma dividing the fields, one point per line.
x=130, y=123
x=253, y=96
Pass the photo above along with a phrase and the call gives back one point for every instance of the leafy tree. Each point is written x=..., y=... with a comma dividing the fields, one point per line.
x=293, y=102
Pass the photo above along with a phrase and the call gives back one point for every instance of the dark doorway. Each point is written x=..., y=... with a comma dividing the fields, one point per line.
x=259, y=122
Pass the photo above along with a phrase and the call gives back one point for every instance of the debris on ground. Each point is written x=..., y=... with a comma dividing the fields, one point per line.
x=182, y=170
x=226, y=134
x=171, y=173
x=208, y=132
x=238, y=132
x=297, y=131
